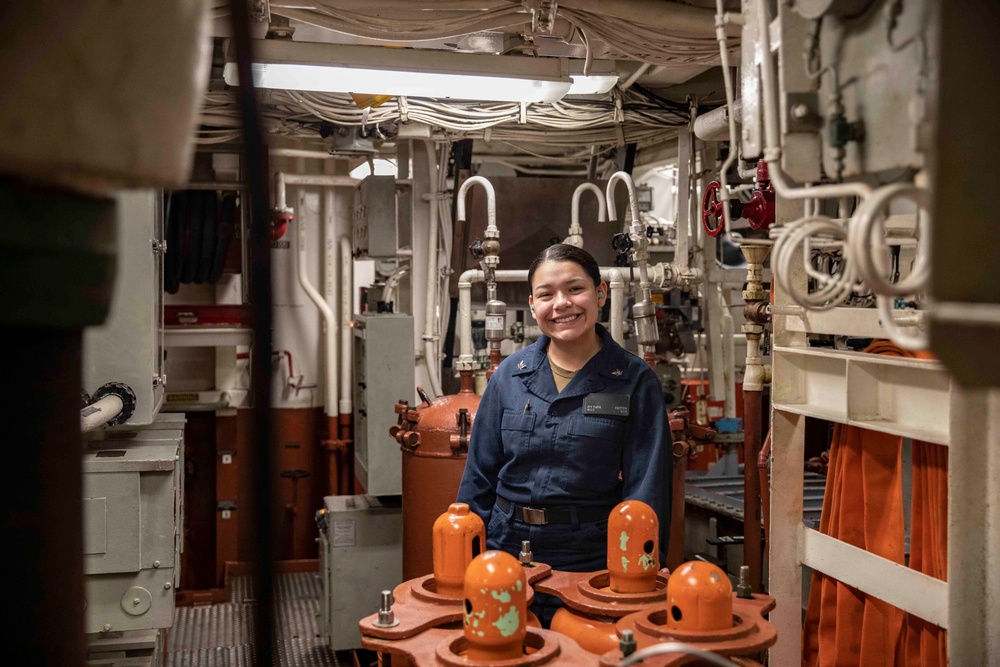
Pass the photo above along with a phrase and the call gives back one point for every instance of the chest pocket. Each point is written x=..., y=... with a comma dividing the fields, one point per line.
x=516, y=429
x=595, y=454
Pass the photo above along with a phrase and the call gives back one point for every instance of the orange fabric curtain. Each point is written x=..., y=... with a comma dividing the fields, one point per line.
x=863, y=506
x=924, y=644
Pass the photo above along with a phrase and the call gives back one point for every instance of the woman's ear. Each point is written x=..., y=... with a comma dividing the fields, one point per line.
x=602, y=294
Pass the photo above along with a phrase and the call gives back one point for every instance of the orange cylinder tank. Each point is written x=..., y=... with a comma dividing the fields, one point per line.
x=459, y=536
x=495, y=607
x=699, y=598
x=434, y=439
x=633, y=547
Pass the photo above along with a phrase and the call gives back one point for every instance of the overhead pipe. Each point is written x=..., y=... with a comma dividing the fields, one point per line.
x=575, y=237
x=644, y=310
x=489, y=255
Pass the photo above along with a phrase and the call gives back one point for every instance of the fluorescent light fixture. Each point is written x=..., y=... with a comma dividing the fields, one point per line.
x=601, y=78
x=383, y=167
x=337, y=68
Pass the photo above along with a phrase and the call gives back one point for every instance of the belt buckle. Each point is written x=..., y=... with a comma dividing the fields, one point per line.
x=533, y=516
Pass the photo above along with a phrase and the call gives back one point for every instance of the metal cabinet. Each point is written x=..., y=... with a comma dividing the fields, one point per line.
x=133, y=517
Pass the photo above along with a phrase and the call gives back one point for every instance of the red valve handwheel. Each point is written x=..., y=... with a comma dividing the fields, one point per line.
x=711, y=210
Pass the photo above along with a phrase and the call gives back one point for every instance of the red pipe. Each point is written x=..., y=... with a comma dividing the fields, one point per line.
x=751, y=486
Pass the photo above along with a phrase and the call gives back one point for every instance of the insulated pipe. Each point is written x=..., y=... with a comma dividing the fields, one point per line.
x=430, y=336
x=100, y=412
x=616, y=285
x=575, y=237
x=714, y=125
x=329, y=323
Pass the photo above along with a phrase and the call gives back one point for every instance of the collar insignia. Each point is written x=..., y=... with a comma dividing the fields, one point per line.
x=521, y=365
x=616, y=372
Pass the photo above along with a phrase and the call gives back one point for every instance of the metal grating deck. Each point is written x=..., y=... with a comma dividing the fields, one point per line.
x=220, y=635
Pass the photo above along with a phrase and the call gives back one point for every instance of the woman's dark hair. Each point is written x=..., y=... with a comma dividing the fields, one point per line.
x=562, y=252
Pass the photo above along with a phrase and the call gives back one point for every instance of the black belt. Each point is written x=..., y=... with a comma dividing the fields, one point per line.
x=539, y=516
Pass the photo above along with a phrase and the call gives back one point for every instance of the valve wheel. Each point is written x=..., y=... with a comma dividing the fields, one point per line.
x=712, y=216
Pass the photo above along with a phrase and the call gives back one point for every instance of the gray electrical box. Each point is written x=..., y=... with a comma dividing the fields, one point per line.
x=383, y=375
x=133, y=514
x=381, y=217
x=128, y=347
x=361, y=554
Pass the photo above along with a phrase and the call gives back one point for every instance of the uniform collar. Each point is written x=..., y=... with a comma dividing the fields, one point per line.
x=610, y=363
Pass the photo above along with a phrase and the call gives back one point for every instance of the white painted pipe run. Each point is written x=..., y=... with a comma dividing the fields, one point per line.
x=491, y=204
x=346, y=310
x=282, y=179
x=100, y=412
x=575, y=237
x=329, y=326
x=430, y=337
x=613, y=276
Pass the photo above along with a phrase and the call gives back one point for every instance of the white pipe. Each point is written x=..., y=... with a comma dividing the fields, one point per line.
x=430, y=337
x=329, y=322
x=491, y=204
x=634, y=76
x=685, y=155
x=302, y=153
x=616, y=285
x=282, y=179
x=728, y=358
x=331, y=291
x=575, y=237
x=612, y=276
x=346, y=310
x=100, y=412
x=643, y=309
x=279, y=192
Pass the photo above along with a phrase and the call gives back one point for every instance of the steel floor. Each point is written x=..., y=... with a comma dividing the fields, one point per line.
x=220, y=635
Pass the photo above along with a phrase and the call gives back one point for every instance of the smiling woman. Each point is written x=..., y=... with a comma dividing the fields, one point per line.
x=567, y=428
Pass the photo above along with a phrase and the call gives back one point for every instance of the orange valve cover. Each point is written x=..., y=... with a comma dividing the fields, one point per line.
x=633, y=547
x=699, y=597
x=495, y=607
x=459, y=536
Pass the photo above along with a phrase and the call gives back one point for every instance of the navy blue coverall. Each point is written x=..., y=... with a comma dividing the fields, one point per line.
x=575, y=454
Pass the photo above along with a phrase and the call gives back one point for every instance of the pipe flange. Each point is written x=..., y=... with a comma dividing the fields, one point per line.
x=122, y=391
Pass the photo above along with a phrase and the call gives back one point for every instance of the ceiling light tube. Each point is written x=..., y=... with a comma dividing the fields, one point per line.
x=415, y=73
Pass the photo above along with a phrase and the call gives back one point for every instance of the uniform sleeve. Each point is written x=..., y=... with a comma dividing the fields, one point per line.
x=647, y=459
x=479, y=480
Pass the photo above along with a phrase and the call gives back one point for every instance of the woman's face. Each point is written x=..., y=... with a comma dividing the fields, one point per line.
x=565, y=300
